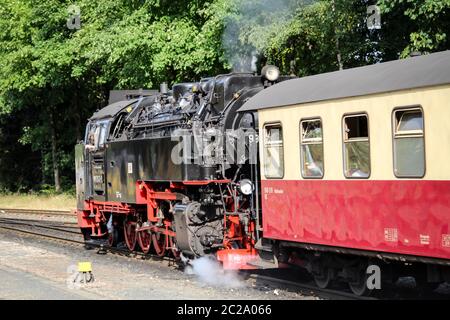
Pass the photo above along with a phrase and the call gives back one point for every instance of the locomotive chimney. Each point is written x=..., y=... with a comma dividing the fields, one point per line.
x=254, y=63
x=163, y=88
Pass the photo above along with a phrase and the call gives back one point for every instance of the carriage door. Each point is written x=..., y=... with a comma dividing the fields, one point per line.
x=95, y=152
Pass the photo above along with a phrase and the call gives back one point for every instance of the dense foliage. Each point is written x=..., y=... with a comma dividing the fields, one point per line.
x=52, y=77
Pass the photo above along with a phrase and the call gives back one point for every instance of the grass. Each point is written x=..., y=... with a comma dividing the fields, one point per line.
x=38, y=202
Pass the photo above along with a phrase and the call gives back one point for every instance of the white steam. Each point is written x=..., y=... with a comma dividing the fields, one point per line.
x=209, y=271
x=250, y=26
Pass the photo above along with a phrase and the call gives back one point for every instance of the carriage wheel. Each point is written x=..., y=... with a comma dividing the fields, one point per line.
x=323, y=279
x=129, y=229
x=159, y=243
x=144, y=239
x=359, y=285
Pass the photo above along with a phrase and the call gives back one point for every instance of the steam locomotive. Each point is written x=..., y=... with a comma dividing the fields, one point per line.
x=175, y=172
x=335, y=173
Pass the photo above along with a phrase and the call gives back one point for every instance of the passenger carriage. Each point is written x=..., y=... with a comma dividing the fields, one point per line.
x=357, y=162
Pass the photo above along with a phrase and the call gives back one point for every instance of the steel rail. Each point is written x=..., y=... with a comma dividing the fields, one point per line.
x=37, y=212
x=50, y=227
x=55, y=223
x=41, y=235
x=307, y=288
x=92, y=245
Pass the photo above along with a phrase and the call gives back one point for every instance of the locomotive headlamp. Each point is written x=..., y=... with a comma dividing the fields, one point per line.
x=246, y=187
x=271, y=73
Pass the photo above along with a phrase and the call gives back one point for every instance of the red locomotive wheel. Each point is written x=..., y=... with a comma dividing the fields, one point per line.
x=113, y=238
x=144, y=239
x=159, y=243
x=172, y=245
x=130, y=234
x=110, y=240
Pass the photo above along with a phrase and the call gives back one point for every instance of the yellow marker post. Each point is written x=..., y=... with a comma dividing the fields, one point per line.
x=84, y=267
x=84, y=273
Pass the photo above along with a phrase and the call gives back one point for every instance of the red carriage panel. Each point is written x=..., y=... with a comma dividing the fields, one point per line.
x=405, y=217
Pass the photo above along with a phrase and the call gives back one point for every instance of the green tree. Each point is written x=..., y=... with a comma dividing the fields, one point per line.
x=61, y=76
x=53, y=78
x=425, y=24
x=325, y=36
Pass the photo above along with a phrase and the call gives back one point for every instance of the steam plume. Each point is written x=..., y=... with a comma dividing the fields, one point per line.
x=210, y=272
x=251, y=24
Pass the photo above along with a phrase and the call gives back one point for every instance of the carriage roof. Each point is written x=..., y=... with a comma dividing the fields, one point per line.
x=411, y=73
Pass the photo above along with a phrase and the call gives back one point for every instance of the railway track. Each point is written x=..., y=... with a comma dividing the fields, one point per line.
x=57, y=213
x=306, y=288
x=64, y=232
x=68, y=233
x=44, y=228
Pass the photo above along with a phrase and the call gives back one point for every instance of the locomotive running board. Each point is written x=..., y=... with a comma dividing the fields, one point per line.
x=237, y=259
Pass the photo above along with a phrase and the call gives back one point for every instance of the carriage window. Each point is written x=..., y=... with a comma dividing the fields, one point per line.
x=273, y=151
x=356, y=146
x=119, y=126
x=409, y=143
x=311, y=148
x=96, y=136
x=102, y=137
x=101, y=133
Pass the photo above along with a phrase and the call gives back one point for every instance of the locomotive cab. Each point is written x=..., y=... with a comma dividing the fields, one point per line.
x=95, y=152
x=89, y=158
x=90, y=155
